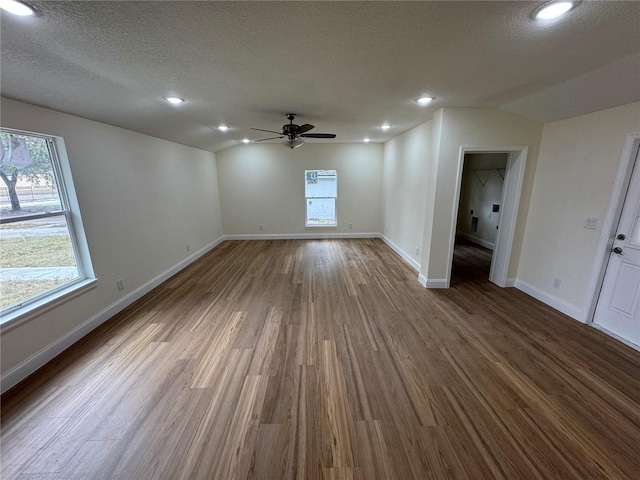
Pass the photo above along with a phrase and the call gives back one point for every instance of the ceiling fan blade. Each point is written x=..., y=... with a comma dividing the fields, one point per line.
x=319, y=135
x=264, y=139
x=304, y=128
x=270, y=131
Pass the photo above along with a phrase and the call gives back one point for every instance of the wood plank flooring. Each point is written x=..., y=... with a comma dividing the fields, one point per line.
x=327, y=360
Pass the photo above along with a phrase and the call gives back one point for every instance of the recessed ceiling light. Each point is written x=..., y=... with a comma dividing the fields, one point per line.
x=223, y=128
x=552, y=10
x=424, y=100
x=246, y=140
x=366, y=140
x=17, y=8
x=385, y=126
x=174, y=100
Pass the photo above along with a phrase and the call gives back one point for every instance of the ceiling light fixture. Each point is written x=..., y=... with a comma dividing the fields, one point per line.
x=293, y=142
x=17, y=8
x=552, y=10
x=366, y=140
x=424, y=100
x=385, y=126
x=246, y=140
x=223, y=128
x=174, y=100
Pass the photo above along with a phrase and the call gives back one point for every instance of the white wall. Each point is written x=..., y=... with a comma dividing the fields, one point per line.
x=263, y=184
x=482, y=183
x=142, y=201
x=470, y=127
x=404, y=189
x=574, y=178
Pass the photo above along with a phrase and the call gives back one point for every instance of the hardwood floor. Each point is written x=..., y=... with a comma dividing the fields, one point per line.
x=327, y=360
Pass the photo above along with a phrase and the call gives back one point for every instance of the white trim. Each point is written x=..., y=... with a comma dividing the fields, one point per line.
x=610, y=224
x=437, y=283
x=11, y=320
x=616, y=337
x=476, y=240
x=407, y=258
x=511, y=282
x=422, y=279
x=511, y=192
x=48, y=353
x=568, y=309
x=300, y=236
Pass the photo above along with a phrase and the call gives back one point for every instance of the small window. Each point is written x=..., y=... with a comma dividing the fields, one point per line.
x=39, y=254
x=321, y=191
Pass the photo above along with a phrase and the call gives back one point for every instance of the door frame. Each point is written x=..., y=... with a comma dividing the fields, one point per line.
x=610, y=225
x=511, y=193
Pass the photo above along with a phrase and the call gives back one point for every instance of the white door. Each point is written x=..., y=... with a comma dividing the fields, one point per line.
x=618, y=308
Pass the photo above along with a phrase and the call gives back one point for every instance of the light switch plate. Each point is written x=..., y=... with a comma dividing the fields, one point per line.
x=591, y=223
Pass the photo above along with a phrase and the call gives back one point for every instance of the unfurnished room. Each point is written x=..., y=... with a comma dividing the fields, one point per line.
x=311, y=240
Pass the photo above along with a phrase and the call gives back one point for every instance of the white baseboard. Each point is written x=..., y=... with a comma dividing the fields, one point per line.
x=477, y=240
x=613, y=335
x=437, y=283
x=407, y=258
x=432, y=283
x=39, y=359
x=511, y=282
x=554, y=302
x=300, y=236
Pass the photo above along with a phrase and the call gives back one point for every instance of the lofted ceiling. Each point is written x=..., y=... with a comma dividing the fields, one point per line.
x=345, y=67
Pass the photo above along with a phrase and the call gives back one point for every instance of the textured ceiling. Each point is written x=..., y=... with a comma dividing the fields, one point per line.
x=345, y=67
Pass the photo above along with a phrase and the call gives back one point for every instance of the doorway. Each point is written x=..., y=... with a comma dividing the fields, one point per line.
x=616, y=308
x=507, y=208
x=478, y=221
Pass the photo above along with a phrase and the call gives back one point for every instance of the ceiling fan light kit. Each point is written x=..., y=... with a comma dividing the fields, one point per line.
x=295, y=143
x=294, y=133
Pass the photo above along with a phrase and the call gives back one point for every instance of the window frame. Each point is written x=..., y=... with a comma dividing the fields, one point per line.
x=37, y=304
x=334, y=198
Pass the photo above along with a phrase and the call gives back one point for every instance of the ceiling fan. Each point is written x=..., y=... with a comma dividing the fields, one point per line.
x=294, y=133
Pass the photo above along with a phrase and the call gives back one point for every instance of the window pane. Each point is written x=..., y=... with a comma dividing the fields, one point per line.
x=28, y=182
x=321, y=211
x=35, y=256
x=321, y=183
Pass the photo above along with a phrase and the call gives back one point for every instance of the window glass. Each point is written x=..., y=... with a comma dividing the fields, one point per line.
x=29, y=183
x=321, y=191
x=38, y=254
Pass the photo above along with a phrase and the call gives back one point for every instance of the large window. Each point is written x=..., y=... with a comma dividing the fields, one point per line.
x=40, y=256
x=321, y=191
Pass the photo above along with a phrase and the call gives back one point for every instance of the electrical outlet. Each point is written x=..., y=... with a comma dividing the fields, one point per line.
x=261, y=228
x=417, y=251
x=120, y=284
x=188, y=248
x=556, y=283
x=350, y=226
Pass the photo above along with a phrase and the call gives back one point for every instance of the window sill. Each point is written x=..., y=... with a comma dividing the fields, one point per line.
x=22, y=315
x=322, y=226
